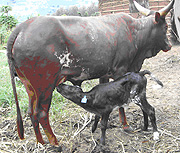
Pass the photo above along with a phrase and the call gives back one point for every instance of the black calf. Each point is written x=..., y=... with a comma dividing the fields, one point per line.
x=103, y=98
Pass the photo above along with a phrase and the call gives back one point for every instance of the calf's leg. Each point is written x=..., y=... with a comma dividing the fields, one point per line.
x=104, y=122
x=145, y=120
x=122, y=115
x=148, y=110
x=94, y=126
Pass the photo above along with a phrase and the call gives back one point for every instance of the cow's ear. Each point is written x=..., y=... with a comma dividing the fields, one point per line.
x=157, y=17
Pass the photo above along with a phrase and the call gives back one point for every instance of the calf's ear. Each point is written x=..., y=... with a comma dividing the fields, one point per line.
x=157, y=17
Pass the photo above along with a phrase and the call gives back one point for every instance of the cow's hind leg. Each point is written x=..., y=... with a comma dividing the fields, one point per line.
x=33, y=114
x=43, y=117
x=40, y=109
x=39, y=103
x=32, y=101
x=35, y=124
x=42, y=105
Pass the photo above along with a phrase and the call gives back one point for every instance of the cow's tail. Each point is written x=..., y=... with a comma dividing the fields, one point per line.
x=11, y=63
x=152, y=77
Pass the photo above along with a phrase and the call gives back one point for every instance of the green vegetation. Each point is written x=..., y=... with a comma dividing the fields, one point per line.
x=5, y=97
x=91, y=10
x=6, y=94
x=7, y=23
x=59, y=105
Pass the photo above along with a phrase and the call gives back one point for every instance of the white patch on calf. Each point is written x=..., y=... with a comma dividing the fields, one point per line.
x=157, y=86
x=136, y=100
x=156, y=135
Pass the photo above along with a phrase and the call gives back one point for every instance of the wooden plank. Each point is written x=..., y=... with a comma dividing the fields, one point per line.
x=122, y=5
x=114, y=2
x=151, y=7
x=109, y=11
x=176, y=15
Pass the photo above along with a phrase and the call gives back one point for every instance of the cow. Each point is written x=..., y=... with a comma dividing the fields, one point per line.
x=49, y=50
x=103, y=98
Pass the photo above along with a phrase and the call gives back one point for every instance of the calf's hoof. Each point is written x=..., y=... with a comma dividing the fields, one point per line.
x=155, y=136
x=128, y=129
x=144, y=129
x=94, y=128
x=102, y=141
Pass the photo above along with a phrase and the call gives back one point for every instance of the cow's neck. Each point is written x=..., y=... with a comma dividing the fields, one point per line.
x=143, y=38
x=143, y=42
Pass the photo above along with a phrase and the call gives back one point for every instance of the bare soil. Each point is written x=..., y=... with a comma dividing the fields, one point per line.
x=166, y=100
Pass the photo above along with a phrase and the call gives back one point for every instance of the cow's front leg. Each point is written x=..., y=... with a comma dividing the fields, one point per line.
x=123, y=121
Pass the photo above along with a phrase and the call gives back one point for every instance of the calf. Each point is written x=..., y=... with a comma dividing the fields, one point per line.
x=103, y=98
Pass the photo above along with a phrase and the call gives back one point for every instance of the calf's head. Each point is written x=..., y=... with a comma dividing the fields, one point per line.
x=69, y=92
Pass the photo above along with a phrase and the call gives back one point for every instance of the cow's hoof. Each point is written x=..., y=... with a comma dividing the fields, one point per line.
x=155, y=136
x=59, y=149
x=55, y=149
x=128, y=129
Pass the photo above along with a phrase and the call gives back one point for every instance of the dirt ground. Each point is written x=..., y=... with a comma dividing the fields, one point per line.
x=74, y=131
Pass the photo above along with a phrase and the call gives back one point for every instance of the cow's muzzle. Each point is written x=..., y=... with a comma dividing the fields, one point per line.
x=167, y=46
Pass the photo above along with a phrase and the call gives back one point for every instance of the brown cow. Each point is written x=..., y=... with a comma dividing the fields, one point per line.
x=49, y=50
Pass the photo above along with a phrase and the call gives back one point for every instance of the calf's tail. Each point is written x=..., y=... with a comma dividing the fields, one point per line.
x=142, y=73
x=10, y=44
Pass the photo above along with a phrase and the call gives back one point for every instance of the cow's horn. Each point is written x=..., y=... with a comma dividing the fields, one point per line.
x=164, y=11
x=142, y=9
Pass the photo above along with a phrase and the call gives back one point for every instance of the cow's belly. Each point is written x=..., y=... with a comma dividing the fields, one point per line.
x=85, y=72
